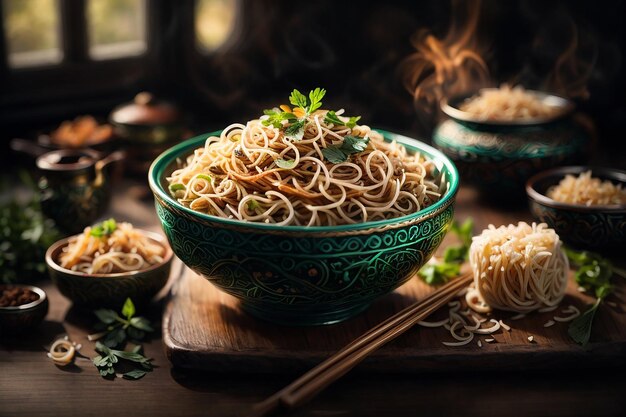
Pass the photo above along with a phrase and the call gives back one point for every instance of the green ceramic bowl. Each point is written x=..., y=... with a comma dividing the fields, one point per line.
x=600, y=228
x=18, y=319
x=296, y=275
x=109, y=290
x=498, y=157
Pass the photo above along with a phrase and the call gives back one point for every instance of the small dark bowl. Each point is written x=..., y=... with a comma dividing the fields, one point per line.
x=585, y=227
x=25, y=317
x=109, y=290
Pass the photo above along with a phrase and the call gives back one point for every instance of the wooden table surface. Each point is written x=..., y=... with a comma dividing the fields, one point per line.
x=30, y=385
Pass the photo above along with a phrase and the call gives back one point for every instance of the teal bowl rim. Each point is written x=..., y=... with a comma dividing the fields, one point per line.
x=559, y=173
x=161, y=240
x=167, y=157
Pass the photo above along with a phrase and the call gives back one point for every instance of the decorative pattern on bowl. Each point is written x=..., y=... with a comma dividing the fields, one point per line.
x=297, y=275
x=587, y=227
x=499, y=158
x=109, y=290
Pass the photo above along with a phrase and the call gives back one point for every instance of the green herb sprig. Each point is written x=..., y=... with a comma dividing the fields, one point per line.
x=304, y=106
x=104, y=229
x=437, y=273
x=108, y=358
x=297, y=118
x=116, y=330
x=594, y=274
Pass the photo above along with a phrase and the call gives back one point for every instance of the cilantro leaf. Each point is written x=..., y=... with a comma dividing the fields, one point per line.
x=276, y=118
x=134, y=374
x=285, y=164
x=298, y=99
x=141, y=323
x=295, y=131
x=580, y=328
x=334, y=154
x=128, y=309
x=463, y=231
x=103, y=229
x=594, y=274
x=109, y=357
x=316, y=97
x=350, y=145
x=115, y=337
x=354, y=144
x=332, y=118
x=455, y=253
x=106, y=316
x=439, y=273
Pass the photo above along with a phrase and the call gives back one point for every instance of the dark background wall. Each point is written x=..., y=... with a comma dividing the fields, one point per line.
x=353, y=49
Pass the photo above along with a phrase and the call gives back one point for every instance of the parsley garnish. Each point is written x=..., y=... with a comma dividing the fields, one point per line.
x=594, y=274
x=103, y=229
x=331, y=117
x=436, y=273
x=298, y=99
x=340, y=152
x=276, y=118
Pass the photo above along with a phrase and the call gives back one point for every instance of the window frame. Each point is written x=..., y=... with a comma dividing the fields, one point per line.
x=77, y=77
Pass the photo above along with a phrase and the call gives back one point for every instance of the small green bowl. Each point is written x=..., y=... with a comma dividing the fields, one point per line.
x=498, y=157
x=18, y=319
x=600, y=228
x=109, y=290
x=296, y=275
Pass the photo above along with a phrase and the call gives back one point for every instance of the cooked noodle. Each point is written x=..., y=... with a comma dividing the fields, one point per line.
x=587, y=190
x=518, y=268
x=237, y=176
x=125, y=249
x=506, y=103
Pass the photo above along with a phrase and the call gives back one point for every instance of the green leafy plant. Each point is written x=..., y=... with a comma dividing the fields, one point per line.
x=25, y=235
x=437, y=273
x=116, y=329
x=594, y=274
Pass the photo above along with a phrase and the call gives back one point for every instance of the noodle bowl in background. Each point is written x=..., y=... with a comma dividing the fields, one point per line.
x=121, y=248
x=506, y=103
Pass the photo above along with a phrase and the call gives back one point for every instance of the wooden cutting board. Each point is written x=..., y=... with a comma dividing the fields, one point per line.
x=204, y=328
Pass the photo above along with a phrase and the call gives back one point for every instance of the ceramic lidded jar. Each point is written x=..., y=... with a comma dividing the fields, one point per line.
x=147, y=126
x=498, y=157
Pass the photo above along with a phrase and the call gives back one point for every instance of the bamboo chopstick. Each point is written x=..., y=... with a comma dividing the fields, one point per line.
x=318, y=378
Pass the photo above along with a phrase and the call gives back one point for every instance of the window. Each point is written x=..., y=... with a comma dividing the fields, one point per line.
x=117, y=28
x=215, y=20
x=32, y=32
